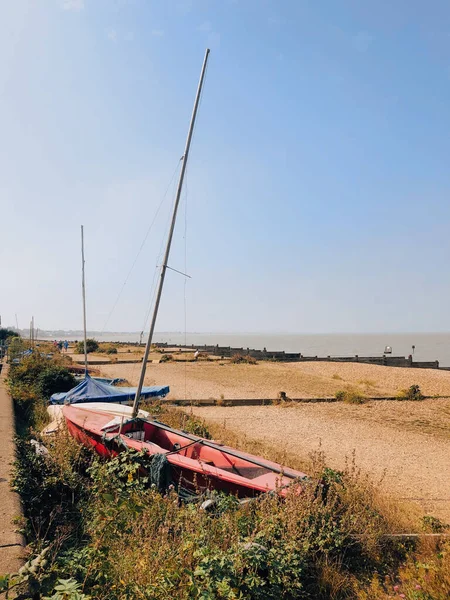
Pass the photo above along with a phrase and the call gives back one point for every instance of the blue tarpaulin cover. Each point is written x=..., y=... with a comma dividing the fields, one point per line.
x=92, y=390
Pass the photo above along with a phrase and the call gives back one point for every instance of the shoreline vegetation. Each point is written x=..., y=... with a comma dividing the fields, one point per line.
x=96, y=530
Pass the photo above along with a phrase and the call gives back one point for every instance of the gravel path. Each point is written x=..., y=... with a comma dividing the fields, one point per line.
x=11, y=542
x=404, y=445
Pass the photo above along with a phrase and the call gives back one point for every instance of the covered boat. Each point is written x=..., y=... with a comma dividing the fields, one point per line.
x=92, y=390
x=196, y=464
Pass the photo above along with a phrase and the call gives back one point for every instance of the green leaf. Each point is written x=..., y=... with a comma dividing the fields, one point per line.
x=4, y=579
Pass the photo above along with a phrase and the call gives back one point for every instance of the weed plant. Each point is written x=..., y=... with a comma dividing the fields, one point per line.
x=412, y=393
x=91, y=346
x=238, y=359
x=350, y=396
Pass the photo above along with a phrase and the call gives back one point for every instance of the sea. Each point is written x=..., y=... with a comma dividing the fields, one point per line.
x=423, y=346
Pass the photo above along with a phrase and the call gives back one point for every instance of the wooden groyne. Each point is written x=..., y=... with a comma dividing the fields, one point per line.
x=281, y=356
x=270, y=401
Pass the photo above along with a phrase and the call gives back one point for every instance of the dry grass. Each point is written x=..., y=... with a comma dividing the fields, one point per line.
x=367, y=382
x=350, y=396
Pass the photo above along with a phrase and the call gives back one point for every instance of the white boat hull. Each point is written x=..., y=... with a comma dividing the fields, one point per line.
x=115, y=410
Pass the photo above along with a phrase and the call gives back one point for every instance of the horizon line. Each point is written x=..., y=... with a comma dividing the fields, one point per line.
x=211, y=332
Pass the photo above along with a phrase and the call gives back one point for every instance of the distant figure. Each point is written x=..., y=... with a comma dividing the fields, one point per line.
x=196, y=355
x=66, y=345
x=55, y=344
x=60, y=345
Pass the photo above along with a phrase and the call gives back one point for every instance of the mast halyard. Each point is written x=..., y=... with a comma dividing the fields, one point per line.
x=83, y=285
x=164, y=265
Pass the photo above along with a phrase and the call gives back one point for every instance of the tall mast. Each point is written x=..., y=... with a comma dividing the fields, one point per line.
x=83, y=285
x=169, y=240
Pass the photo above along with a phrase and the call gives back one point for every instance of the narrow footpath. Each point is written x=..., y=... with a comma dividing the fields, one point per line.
x=10, y=509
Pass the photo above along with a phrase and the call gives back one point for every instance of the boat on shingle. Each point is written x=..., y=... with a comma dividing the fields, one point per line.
x=196, y=464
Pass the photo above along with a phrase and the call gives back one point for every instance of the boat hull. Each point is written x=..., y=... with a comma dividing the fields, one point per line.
x=195, y=466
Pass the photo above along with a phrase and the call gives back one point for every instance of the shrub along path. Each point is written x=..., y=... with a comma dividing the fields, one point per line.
x=10, y=541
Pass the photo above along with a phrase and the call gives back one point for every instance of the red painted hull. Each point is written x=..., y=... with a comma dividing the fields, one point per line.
x=196, y=466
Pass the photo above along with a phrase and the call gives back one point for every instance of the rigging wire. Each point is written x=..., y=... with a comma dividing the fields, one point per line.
x=141, y=247
x=159, y=258
x=153, y=287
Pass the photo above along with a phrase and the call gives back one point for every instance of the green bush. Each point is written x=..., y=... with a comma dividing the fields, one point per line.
x=166, y=358
x=55, y=379
x=49, y=493
x=33, y=381
x=432, y=524
x=7, y=333
x=91, y=346
x=412, y=393
x=196, y=426
x=15, y=348
x=29, y=369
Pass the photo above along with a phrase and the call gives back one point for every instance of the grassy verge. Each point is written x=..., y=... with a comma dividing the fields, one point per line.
x=97, y=529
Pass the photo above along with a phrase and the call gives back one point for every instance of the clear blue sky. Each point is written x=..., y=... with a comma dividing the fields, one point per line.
x=318, y=185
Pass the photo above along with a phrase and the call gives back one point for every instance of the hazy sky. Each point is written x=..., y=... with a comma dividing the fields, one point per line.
x=318, y=186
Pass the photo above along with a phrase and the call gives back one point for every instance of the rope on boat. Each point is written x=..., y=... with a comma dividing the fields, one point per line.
x=176, y=450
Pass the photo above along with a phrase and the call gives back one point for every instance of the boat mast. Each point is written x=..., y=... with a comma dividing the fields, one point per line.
x=169, y=240
x=83, y=286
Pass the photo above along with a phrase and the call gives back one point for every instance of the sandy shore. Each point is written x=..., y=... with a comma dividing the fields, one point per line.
x=265, y=380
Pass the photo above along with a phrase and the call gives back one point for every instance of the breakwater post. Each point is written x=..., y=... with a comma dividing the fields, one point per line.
x=282, y=356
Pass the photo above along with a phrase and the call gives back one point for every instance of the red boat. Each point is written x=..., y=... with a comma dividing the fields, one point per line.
x=197, y=464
